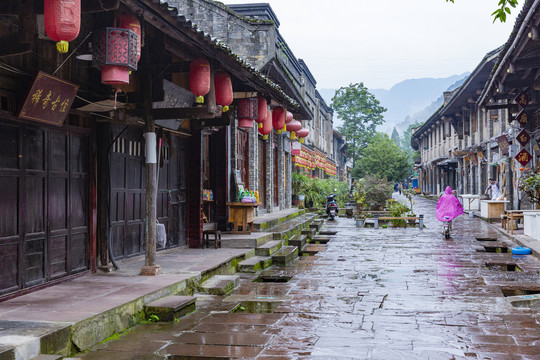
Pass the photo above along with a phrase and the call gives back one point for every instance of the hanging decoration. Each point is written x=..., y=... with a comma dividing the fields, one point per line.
x=289, y=117
x=294, y=126
x=130, y=22
x=247, y=112
x=262, y=106
x=223, y=89
x=199, y=78
x=302, y=133
x=278, y=119
x=62, y=21
x=267, y=125
x=116, y=51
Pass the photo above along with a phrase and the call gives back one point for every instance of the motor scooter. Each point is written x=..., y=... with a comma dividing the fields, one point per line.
x=332, y=207
x=447, y=226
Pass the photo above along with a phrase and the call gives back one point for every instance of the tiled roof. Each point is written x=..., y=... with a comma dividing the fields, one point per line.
x=211, y=41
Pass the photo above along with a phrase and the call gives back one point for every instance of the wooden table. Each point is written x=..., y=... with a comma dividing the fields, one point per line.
x=241, y=215
x=473, y=200
x=514, y=215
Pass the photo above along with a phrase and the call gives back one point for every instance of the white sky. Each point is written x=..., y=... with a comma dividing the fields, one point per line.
x=382, y=42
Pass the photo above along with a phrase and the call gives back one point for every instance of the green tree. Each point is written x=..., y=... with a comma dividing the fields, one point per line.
x=360, y=112
x=395, y=137
x=384, y=158
x=406, y=142
x=504, y=8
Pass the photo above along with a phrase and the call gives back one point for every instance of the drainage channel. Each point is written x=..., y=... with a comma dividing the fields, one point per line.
x=504, y=267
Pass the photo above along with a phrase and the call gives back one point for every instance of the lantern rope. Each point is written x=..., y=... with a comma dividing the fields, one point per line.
x=73, y=52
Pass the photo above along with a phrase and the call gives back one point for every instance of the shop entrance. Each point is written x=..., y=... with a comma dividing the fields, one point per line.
x=44, y=209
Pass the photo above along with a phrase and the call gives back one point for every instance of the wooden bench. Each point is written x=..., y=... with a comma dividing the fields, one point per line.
x=420, y=219
x=211, y=229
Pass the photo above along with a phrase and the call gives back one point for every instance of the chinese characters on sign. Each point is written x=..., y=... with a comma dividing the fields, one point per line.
x=522, y=100
x=49, y=100
x=523, y=157
x=522, y=118
x=523, y=137
x=504, y=145
x=479, y=153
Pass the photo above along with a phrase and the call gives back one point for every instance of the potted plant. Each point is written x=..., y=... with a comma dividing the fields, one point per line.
x=529, y=183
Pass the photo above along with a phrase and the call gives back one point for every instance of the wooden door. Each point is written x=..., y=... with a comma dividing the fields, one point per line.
x=242, y=156
x=44, y=208
x=262, y=173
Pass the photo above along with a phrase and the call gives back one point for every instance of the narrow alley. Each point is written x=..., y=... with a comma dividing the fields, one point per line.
x=369, y=293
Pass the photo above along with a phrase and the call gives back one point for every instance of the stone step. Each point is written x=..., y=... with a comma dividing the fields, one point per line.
x=219, y=284
x=289, y=229
x=311, y=249
x=269, y=248
x=46, y=357
x=171, y=308
x=254, y=264
x=285, y=255
x=525, y=301
x=269, y=221
x=316, y=224
x=310, y=233
x=245, y=241
x=327, y=232
x=299, y=241
x=321, y=239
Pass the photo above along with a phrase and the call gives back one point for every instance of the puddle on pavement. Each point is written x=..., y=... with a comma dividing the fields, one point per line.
x=519, y=292
x=503, y=267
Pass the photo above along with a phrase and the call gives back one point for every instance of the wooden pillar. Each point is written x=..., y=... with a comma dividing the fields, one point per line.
x=150, y=267
x=103, y=139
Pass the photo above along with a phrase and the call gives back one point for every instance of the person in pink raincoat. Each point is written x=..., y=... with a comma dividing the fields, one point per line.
x=448, y=207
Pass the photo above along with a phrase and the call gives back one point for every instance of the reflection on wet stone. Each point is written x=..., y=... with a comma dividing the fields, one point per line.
x=369, y=294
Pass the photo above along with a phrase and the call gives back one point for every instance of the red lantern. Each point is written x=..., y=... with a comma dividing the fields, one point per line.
x=247, y=111
x=294, y=125
x=267, y=125
x=199, y=78
x=223, y=89
x=302, y=133
x=289, y=117
x=62, y=21
x=131, y=22
x=262, y=109
x=278, y=118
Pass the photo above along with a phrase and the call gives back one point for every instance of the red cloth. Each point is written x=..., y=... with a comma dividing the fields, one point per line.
x=448, y=205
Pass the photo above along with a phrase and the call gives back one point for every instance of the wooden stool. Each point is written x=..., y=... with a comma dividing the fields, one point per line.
x=211, y=229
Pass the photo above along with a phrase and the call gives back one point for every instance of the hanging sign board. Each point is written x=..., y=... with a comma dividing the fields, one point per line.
x=523, y=157
x=504, y=145
x=522, y=118
x=523, y=138
x=49, y=100
x=296, y=148
x=479, y=153
x=522, y=100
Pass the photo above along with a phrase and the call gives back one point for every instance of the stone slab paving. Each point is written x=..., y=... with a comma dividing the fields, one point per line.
x=394, y=293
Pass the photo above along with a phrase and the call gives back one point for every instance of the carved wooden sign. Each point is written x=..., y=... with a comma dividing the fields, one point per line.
x=504, y=145
x=523, y=137
x=523, y=157
x=49, y=100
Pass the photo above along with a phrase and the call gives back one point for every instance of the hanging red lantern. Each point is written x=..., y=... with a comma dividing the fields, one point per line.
x=267, y=125
x=302, y=133
x=131, y=22
x=247, y=111
x=262, y=107
x=294, y=126
x=62, y=21
x=278, y=119
x=223, y=89
x=289, y=117
x=199, y=78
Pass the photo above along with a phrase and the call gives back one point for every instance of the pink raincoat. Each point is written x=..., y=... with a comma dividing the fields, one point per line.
x=448, y=205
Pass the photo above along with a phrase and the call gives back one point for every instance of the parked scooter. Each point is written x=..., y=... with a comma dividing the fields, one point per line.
x=332, y=207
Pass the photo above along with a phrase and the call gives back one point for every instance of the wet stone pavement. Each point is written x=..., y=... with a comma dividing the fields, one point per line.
x=394, y=293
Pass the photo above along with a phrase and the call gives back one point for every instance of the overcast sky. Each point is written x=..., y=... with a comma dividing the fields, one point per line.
x=382, y=42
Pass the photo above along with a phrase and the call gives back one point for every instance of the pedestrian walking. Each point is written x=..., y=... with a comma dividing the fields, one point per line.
x=400, y=187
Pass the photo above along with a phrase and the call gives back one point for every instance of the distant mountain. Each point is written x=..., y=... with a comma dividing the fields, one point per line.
x=407, y=101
